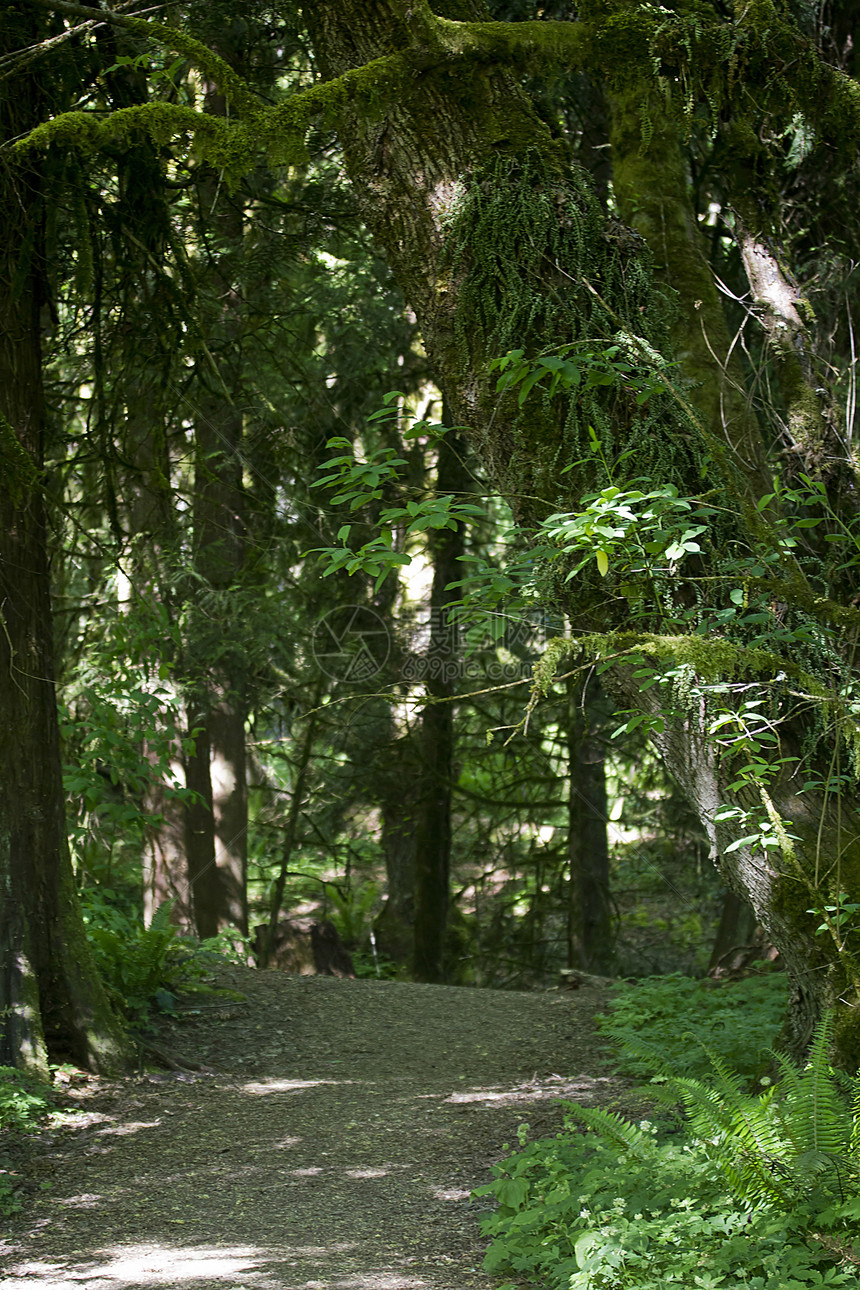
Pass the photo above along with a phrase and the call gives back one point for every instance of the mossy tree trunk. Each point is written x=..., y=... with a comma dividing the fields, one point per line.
x=462, y=136
x=52, y=1002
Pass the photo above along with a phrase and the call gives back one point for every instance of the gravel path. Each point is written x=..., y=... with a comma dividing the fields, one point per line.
x=334, y=1147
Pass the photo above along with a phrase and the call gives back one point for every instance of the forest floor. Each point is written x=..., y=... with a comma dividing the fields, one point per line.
x=333, y=1146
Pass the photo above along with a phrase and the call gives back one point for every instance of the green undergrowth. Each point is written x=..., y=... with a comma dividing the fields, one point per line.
x=758, y=1190
x=145, y=969
x=728, y=1184
x=672, y=1022
x=24, y=1103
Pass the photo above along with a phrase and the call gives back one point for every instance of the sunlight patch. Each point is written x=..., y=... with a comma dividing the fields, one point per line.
x=451, y=1193
x=262, y=1087
x=145, y=1265
x=86, y=1200
x=132, y=1126
x=538, y=1090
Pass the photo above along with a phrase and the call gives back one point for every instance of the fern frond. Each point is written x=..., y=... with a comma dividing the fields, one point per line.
x=791, y=1075
x=743, y=1138
x=161, y=918
x=814, y=1111
x=613, y=1128
x=633, y=1045
x=854, y=1142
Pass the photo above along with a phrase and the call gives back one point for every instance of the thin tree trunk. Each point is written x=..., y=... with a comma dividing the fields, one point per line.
x=165, y=869
x=590, y=913
x=219, y=765
x=735, y=931
x=394, y=926
x=203, y=876
x=297, y=798
x=228, y=776
x=433, y=835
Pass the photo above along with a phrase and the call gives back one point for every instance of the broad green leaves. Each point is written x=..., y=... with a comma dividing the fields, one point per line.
x=379, y=478
x=574, y=367
x=632, y=531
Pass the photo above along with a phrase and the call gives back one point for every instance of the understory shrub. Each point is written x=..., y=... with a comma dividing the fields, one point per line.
x=145, y=968
x=24, y=1102
x=673, y=1022
x=749, y=1190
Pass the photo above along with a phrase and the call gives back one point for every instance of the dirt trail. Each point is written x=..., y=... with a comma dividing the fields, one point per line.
x=335, y=1147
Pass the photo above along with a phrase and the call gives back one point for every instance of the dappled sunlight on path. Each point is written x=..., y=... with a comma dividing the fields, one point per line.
x=295, y=1176
x=195, y=1267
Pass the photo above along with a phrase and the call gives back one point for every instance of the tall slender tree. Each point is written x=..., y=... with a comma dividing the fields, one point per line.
x=51, y=999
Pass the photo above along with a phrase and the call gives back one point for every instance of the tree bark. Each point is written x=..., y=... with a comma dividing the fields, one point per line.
x=394, y=926
x=52, y=1002
x=219, y=770
x=736, y=929
x=266, y=938
x=165, y=867
x=433, y=838
x=590, y=938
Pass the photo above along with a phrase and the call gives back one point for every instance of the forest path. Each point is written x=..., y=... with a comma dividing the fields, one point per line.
x=335, y=1147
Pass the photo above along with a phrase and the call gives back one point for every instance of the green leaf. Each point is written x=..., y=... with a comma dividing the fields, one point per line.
x=602, y=563
x=743, y=842
x=528, y=385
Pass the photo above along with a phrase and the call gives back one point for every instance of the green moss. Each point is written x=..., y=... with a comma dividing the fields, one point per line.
x=537, y=266
x=528, y=45
x=231, y=85
x=652, y=190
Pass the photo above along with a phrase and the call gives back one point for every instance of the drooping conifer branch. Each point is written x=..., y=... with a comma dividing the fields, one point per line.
x=231, y=85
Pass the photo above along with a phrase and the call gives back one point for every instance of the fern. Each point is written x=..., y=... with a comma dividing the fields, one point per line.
x=764, y=1191
x=740, y=1136
x=798, y=1138
x=614, y=1129
x=822, y=1112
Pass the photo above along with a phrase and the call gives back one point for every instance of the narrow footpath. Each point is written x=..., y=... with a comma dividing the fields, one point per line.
x=334, y=1145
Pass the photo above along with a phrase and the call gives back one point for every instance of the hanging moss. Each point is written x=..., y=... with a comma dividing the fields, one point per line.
x=538, y=266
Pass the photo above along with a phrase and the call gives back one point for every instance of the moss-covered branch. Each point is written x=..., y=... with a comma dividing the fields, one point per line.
x=630, y=44
x=712, y=658
x=760, y=55
x=232, y=145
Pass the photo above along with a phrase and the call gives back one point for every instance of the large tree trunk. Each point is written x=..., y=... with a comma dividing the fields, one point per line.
x=459, y=128
x=52, y=1002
